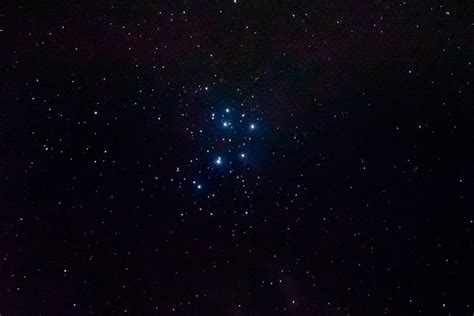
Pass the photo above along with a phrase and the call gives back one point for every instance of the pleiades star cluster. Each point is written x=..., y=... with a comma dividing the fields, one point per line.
x=236, y=157
x=230, y=144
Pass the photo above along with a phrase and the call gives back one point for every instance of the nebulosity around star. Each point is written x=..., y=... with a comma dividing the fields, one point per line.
x=218, y=161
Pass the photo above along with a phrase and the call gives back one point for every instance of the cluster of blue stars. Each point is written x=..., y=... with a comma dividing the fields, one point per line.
x=233, y=134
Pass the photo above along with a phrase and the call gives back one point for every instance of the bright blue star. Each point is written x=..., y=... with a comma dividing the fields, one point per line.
x=218, y=161
x=252, y=126
x=198, y=186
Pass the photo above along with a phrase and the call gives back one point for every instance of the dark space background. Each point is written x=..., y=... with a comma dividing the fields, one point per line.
x=122, y=192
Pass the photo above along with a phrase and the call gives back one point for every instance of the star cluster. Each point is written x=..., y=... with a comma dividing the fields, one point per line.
x=236, y=157
x=228, y=146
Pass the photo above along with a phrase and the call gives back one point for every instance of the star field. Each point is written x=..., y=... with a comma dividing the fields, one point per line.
x=236, y=158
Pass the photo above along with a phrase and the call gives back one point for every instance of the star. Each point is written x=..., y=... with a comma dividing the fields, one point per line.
x=252, y=126
x=198, y=186
x=218, y=160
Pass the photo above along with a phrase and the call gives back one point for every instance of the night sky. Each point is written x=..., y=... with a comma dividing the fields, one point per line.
x=236, y=157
